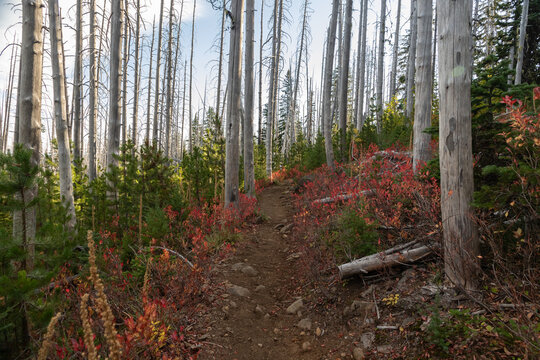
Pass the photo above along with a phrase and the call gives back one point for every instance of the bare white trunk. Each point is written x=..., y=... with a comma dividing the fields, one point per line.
x=249, y=166
x=380, y=68
x=232, y=148
x=169, y=106
x=115, y=73
x=190, y=108
x=344, y=80
x=455, y=145
x=393, y=75
x=155, y=125
x=327, y=86
x=62, y=133
x=422, y=107
x=92, y=95
x=77, y=84
x=29, y=114
x=411, y=67
x=522, y=35
x=136, y=76
x=148, y=102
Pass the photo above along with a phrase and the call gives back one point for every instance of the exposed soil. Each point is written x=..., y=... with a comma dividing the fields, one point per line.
x=337, y=320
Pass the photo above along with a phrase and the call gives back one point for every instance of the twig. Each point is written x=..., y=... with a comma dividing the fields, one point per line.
x=375, y=302
x=175, y=253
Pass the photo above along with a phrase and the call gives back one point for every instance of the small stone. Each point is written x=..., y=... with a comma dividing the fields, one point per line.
x=238, y=291
x=260, y=345
x=259, y=309
x=237, y=266
x=249, y=270
x=276, y=331
x=295, y=306
x=384, y=349
x=260, y=288
x=367, y=340
x=304, y=324
x=343, y=354
x=408, y=322
x=302, y=333
x=362, y=307
x=318, y=331
x=306, y=346
x=267, y=316
x=233, y=304
x=358, y=353
x=286, y=228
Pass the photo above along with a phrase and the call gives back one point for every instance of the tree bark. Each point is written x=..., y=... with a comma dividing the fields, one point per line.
x=150, y=83
x=190, y=109
x=395, y=54
x=249, y=170
x=115, y=73
x=344, y=80
x=220, y=65
x=168, y=115
x=62, y=132
x=232, y=151
x=259, y=129
x=136, y=76
x=522, y=35
x=92, y=95
x=422, y=107
x=455, y=147
x=362, y=69
x=327, y=86
x=29, y=114
x=412, y=60
x=158, y=64
x=380, y=68
x=77, y=84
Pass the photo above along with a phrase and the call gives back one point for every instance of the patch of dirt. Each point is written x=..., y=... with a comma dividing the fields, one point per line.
x=255, y=319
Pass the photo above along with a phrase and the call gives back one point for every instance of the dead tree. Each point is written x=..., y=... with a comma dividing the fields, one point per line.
x=60, y=114
x=344, y=82
x=249, y=166
x=380, y=68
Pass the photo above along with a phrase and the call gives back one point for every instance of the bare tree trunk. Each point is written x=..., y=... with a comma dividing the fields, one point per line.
x=158, y=64
x=77, y=83
x=273, y=90
x=393, y=76
x=362, y=68
x=125, y=60
x=93, y=95
x=344, y=82
x=220, y=65
x=434, y=55
x=455, y=147
x=412, y=59
x=176, y=56
x=309, y=131
x=249, y=166
x=62, y=133
x=9, y=95
x=327, y=85
x=191, y=78
x=422, y=107
x=150, y=83
x=29, y=116
x=511, y=65
x=168, y=117
x=183, y=111
x=232, y=150
x=380, y=68
x=114, y=88
x=259, y=137
x=521, y=46
x=136, y=77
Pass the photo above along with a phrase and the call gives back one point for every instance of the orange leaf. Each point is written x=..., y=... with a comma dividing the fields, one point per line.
x=536, y=92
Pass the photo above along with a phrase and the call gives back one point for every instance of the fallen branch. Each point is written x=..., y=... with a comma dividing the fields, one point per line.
x=175, y=253
x=343, y=197
x=401, y=254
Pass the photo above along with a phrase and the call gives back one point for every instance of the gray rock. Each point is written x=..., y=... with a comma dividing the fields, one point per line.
x=358, y=353
x=402, y=283
x=286, y=228
x=238, y=291
x=237, y=266
x=295, y=306
x=306, y=346
x=384, y=349
x=249, y=270
x=260, y=288
x=259, y=310
x=362, y=307
x=367, y=340
x=304, y=324
x=408, y=321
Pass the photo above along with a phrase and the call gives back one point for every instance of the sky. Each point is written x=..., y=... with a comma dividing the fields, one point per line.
x=207, y=28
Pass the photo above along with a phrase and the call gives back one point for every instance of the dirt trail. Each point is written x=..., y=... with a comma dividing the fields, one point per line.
x=257, y=325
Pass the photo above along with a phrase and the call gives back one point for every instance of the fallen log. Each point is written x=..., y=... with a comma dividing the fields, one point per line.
x=401, y=254
x=342, y=197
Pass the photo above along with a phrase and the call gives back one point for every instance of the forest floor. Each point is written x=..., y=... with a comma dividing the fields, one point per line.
x=266, y=311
